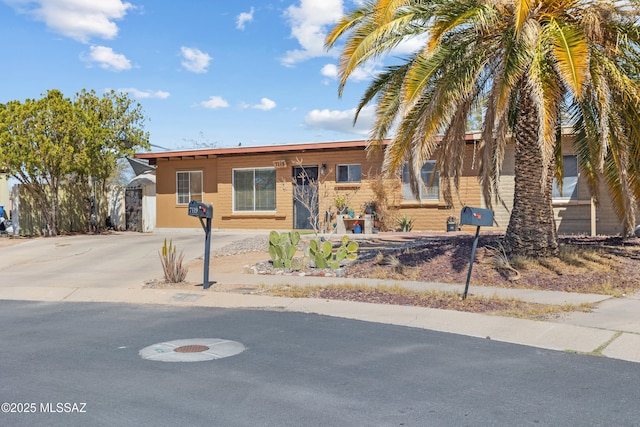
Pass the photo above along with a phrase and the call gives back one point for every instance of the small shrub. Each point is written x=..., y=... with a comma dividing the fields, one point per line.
x=385, y=197
x=395, y=263
x=502, y=263
x=174, y=270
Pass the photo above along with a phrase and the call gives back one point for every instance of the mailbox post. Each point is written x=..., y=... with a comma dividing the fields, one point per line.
x=480, y=218
x=203, y=211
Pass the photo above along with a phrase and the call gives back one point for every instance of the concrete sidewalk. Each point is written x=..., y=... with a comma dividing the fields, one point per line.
x=611, y=330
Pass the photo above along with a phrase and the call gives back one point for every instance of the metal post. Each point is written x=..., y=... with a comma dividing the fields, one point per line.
x=473, y=256
x=207, y=246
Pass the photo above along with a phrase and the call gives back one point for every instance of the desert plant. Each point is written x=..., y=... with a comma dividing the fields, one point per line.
x=323, y=255
x=395, y=263
x=282, y=249
x=405, y=223
x=174, y=270
x=502, y=263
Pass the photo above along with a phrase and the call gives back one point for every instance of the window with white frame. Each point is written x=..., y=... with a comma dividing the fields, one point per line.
x=569, y=179
x=427, y=191
x=349, y=173
x=188, y=186
x=254, y=190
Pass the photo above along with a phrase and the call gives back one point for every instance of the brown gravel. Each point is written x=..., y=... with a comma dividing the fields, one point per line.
x=606, y=265
x=587, y=264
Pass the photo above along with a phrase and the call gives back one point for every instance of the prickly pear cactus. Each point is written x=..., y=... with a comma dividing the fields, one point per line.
x=282, y=249
x=321, y=253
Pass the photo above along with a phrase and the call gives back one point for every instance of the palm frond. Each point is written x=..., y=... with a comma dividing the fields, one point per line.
x=522, y=11
x=571, y=54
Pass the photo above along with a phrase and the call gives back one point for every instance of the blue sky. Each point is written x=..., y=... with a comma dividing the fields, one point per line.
x=214, y=72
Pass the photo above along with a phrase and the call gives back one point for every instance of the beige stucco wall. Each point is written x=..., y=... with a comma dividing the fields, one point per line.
x=218, y=190
x=573, y=216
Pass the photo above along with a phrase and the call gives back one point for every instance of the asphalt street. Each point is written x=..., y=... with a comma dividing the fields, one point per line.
x=79, y=365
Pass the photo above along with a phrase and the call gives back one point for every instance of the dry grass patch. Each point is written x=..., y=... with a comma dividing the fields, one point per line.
x=397, y=295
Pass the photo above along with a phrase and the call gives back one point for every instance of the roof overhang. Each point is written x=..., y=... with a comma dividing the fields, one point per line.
x=209, y=153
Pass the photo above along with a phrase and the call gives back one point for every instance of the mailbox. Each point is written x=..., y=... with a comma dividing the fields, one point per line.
x=480, y=218
x=476, y=216
x=203, y=211
x=199, y=209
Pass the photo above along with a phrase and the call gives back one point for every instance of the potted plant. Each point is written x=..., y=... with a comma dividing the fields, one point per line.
x=341, y=203
x=369, y=207
x=452, y=223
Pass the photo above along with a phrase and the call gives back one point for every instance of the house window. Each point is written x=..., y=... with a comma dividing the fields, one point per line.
x=427, y=192
x=569, y=180
x=188, y=186
x=348, y=173
x=254, y=190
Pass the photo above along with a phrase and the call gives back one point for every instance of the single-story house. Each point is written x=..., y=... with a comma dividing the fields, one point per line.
x=259, y=188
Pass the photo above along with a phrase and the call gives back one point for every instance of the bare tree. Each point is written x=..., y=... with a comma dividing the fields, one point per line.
x=309, y=191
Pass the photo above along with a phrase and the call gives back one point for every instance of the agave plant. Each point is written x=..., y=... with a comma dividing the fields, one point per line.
x=174, y=270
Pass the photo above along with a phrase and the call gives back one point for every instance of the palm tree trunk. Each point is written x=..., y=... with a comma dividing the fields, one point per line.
x=532, y=228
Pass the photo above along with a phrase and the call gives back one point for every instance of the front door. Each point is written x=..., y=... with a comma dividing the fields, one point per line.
x=305, y=197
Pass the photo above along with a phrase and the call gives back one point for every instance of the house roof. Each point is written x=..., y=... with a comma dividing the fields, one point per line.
x=140, y=166
x=239, y=151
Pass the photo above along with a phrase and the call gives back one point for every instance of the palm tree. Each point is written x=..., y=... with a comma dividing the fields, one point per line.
x=529, y=61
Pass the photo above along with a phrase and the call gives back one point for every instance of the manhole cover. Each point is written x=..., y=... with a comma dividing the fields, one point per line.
x=192, y=350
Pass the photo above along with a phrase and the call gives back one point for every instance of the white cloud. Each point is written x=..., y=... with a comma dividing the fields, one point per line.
x=78, y=19
x=145, y=94
x=266, y=104
x=364, y=73
x=309, y=22
x=195, y=60
x=214, y=102
x=342, y=121
x=243, y=18
x=330, y=70
x=106, y=58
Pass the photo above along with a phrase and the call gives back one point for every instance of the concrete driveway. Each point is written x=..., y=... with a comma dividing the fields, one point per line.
x=118, y=260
